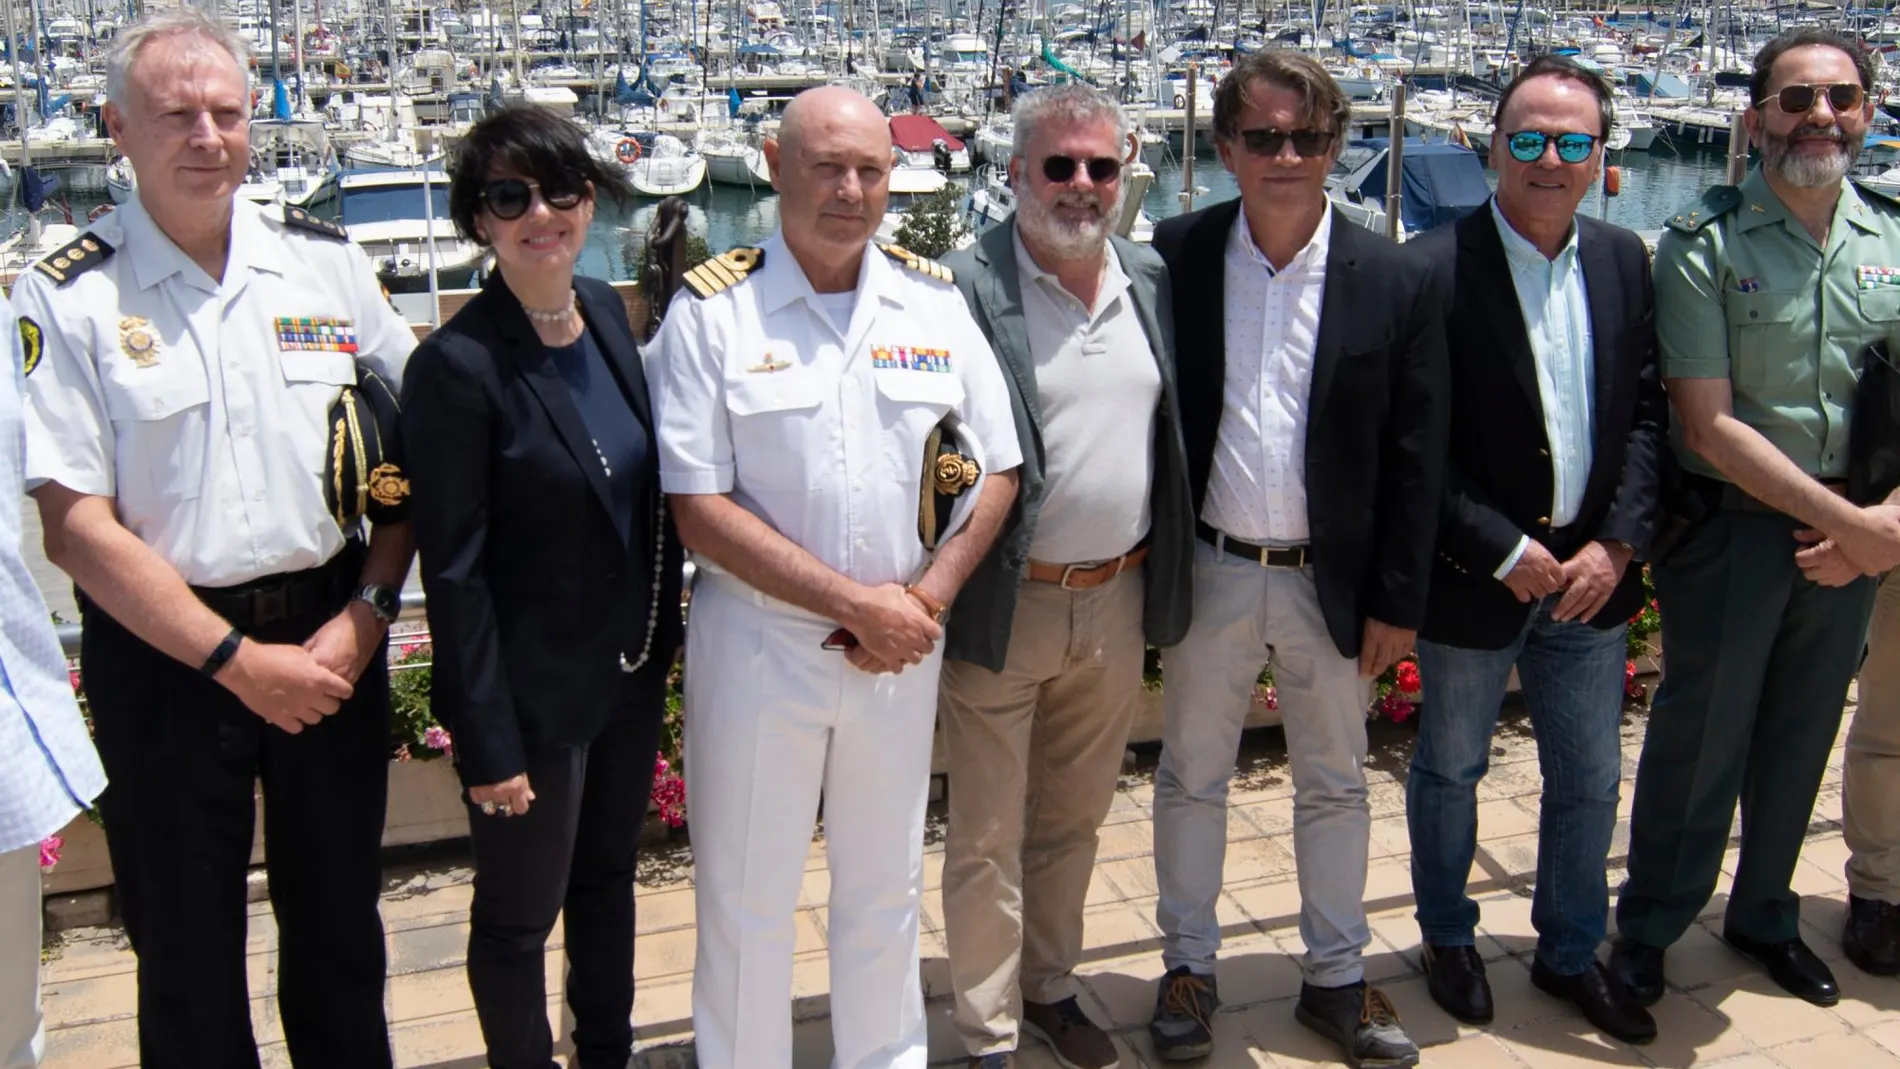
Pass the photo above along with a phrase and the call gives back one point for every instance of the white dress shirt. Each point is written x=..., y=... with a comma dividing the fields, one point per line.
x=1097, y=386
x=1256, y=490
x=47, y=764
x=1556, y=307
x=820, y=432
x=196, y=403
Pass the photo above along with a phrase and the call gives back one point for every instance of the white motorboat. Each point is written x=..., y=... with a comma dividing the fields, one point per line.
x=384, y=213
x=670, y=169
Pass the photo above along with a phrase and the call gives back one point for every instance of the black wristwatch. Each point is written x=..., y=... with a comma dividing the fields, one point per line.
x=382, y=600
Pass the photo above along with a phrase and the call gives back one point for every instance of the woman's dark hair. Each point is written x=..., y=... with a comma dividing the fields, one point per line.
x=1555, y=66
x=527, y=141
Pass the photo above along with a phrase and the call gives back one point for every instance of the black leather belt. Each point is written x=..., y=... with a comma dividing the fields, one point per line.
x=265, y=601
x=1265, y=556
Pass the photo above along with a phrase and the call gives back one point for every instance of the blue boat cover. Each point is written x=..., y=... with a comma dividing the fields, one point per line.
x=1442, y=182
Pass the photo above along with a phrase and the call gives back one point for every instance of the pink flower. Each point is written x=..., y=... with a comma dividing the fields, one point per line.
x=437, y=738
x=49, y=851
x=1629, y=671
x=669, y=793
x=408, y=649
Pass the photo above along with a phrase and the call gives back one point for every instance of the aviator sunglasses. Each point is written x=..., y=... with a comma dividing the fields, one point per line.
x=1060, y=169
x=1799, y=99
x=510, y=198
x=1306, y=143
x=1527, y=146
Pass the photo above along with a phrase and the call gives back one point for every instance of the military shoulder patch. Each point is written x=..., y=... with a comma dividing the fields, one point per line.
x=32, y=344
x=919, y=264
x=724, y=271
x=78, y=256
x=1717, y=202
x=303, y=220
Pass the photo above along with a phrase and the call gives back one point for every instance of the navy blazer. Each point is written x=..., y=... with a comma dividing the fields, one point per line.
x=534, y=595
x=1498, y=479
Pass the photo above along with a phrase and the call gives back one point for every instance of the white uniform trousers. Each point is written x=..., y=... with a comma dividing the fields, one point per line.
x=774, y=723
x=21, y=1035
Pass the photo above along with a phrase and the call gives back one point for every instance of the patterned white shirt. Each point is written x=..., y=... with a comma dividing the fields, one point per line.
x=1556, y=307
x=47, y=762
x=1256, y=490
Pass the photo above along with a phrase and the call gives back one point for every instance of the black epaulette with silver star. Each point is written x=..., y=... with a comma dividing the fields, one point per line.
x=724, y=271
x=77, y=257
x=303, y=220
x=920, y=264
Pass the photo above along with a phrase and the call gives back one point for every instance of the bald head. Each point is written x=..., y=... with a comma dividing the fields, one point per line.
x=828, y=114
x=831, y=165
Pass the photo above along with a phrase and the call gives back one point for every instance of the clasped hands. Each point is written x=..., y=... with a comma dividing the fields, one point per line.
x=1587, y=579
x=1869, y=546
x=294, y=687
x=892, y=627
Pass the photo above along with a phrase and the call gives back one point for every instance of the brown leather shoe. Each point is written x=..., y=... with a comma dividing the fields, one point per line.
x=1078, y=1043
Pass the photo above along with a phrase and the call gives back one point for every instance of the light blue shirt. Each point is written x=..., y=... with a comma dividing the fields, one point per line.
x=47, y=764
x=1556, y=308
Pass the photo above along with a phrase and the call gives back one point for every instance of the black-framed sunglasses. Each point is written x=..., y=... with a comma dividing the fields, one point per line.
x=1306, y=143
x=1060, y=169
x=1527, y=146
x=510, y=198
x=1799, y=99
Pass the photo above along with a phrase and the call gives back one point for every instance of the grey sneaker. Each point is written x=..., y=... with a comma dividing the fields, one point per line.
x=1076, y=1041
x=1183, y=1025
x=1362, y=1021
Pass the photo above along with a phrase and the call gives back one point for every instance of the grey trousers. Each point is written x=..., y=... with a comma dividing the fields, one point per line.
x=22, y=1038
x=1870, y=806
x=1246, y=616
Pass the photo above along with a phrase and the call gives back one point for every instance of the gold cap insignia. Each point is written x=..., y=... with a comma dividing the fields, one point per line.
x=138, y=340
x=955, y=473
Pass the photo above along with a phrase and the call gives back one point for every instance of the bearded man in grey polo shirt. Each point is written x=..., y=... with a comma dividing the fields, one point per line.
x=1043, y=654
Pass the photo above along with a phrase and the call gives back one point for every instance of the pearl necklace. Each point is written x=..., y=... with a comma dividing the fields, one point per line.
x=653, y=604
x=554, y=317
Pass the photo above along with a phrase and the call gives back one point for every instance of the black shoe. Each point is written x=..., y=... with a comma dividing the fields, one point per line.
x=1872, y=936
x=1638, y=967
x=1455, y=978
x=1183, y=1025
x=1604, y=1002
x=1362, y=1021
x=1792, y=966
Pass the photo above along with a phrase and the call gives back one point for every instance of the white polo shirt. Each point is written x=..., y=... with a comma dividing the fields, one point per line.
x=818, y=428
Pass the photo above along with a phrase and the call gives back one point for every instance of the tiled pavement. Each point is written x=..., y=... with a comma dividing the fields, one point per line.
x=1720, y=1011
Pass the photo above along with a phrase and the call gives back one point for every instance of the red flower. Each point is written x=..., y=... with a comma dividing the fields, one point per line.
x=1408, y=680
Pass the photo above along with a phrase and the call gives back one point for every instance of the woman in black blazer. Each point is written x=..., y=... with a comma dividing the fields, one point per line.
x=553, y=578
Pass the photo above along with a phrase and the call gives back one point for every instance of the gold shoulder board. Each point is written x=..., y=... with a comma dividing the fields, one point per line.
x=303, y=220
x=919, y=264
x=82, y=254
x=725, y=270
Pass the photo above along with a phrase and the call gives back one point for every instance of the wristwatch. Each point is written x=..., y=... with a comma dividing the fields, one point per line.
x=382, y=600
x=931, y=606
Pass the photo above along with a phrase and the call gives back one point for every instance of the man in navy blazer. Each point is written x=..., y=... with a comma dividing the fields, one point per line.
x=1551, y=498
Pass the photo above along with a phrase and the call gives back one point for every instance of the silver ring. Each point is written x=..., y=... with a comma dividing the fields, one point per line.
x=506, y=809
x=488, y=809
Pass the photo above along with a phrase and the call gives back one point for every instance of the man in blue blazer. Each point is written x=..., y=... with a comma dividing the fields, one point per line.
x=1043, y=659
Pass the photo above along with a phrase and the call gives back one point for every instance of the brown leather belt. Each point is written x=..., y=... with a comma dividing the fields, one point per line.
x=1081, y=577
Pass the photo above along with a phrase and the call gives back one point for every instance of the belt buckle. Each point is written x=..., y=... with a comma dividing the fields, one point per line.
x=1067, y=571
x=269, y=605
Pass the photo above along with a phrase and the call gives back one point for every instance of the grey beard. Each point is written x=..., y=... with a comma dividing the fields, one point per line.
x=1071, y=242
x=1806, y=172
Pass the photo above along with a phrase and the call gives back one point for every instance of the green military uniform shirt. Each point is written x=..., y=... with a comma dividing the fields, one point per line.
x=1744, y=292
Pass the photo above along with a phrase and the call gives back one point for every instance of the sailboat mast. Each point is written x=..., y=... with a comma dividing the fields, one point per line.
x=19, y=117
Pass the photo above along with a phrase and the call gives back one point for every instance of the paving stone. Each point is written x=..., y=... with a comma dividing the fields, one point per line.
x=1837, y=1050
x=1764, y=1014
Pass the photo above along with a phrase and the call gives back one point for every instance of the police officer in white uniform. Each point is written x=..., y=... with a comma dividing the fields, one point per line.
x=183, y=359
x=795, y=390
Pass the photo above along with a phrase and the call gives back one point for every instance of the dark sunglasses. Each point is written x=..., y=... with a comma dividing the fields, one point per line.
x=1799, y=99
x=1527, y=146
x=1060, y=169
x=510, y=198
x=1306, y=143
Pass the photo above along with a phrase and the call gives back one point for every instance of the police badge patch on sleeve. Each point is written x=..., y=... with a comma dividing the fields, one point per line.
x=32, y=343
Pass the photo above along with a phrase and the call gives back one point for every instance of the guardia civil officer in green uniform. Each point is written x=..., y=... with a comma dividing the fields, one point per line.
x=1766, y=296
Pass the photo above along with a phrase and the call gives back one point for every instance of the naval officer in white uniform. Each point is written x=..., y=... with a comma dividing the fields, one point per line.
x=795, y=389
x=183, y=358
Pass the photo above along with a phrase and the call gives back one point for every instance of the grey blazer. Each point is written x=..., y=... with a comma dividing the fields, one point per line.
x=979, y=624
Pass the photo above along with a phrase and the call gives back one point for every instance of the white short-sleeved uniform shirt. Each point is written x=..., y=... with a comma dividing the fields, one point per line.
x=202, y=406
x=816, y=427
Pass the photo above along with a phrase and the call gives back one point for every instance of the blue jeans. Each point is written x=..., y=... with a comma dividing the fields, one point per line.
x=1573, y=679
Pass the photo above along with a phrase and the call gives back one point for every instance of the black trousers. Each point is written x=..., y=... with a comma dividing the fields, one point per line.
x=574, y=850
x=183, y=756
